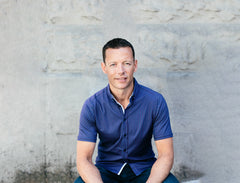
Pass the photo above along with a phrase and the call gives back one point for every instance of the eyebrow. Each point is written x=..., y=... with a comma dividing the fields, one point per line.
x=110, y=62
x=124, y=61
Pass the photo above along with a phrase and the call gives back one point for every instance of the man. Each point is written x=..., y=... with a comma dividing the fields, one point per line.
x=124, y=115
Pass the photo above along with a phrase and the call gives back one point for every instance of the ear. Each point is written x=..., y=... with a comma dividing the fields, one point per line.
x=135, y=65
x=103, y=65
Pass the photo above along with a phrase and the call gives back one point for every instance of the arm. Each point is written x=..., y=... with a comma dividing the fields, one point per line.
x=164, y=162
x=87, y=170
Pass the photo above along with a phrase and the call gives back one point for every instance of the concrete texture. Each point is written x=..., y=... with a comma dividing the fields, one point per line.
x=50, y=63
x=192, y=181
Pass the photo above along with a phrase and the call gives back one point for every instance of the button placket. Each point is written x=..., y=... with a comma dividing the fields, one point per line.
x=125, y=136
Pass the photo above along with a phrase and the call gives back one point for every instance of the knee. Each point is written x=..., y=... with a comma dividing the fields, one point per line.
x=171, y=179
x=79, y=180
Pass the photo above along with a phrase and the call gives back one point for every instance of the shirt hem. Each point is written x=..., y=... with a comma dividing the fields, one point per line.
x=86, y=140
x=163, y=137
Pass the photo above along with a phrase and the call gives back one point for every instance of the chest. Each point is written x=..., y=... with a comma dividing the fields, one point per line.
x=112, y=123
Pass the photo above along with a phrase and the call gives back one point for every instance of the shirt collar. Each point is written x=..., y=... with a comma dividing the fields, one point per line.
x=133, y=95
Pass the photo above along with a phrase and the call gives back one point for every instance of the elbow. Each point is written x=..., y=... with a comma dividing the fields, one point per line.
x=82, y=162
x=168, y=158
x=171, y=160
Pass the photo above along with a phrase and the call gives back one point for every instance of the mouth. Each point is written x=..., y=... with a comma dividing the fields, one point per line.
x=122, y=79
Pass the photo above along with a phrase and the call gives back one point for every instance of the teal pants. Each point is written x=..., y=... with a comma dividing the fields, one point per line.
x=127, y=176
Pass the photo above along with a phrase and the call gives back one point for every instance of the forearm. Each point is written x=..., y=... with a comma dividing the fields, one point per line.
x=160, y=169
x=89, y=172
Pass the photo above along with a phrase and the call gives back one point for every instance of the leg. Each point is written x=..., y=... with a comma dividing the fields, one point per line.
x=107, y=176
x=142, y=178
x=171, y=179
x=79, y=180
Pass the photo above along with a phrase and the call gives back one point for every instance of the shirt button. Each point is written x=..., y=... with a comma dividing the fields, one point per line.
x=124, y=150
x=125, y=135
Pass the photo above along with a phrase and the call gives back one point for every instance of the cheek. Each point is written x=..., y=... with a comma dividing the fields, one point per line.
x=132, y=70
x=135, y=69
x=110, y=73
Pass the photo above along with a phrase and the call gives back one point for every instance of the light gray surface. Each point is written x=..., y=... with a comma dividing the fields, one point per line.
x=50, y=63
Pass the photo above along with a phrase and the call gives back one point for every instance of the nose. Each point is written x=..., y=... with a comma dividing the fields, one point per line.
x=120, y=68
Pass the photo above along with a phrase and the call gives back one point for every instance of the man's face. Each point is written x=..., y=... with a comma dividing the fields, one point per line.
x=119, y=66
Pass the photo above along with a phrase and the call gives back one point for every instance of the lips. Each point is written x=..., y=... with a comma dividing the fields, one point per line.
x=121, y=79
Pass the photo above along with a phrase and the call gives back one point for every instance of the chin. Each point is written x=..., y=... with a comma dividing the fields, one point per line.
x=121, y=86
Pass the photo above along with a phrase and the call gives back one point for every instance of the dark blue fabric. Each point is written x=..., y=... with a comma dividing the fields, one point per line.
x=125, y=137
x=127, y=176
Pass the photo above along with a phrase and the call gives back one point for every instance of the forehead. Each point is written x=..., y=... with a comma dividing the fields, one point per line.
x=115, y=54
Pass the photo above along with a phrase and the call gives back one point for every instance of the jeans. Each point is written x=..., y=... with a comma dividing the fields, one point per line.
x=127, y=176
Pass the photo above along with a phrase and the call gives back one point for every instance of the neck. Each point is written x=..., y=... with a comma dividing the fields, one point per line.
x=122, y=96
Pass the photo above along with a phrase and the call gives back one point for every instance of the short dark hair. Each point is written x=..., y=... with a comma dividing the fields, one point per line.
x=117, y=43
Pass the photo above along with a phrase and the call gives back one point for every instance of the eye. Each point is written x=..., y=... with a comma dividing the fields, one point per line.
x=112, y=65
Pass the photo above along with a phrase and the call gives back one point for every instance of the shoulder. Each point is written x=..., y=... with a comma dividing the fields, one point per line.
x=92, y=103
x=151, y=98
x=149, y=93
x=98, y=97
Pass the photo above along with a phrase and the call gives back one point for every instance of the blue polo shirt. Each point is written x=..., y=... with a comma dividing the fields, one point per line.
x=125, y=135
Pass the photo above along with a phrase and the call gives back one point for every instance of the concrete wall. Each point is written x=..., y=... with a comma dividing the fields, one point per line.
x=50, y=63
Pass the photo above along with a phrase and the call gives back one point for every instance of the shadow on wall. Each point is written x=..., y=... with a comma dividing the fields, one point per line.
x=182, y=172
x=45, y=176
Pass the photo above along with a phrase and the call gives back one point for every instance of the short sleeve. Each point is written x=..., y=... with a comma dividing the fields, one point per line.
x=87, y=123
x=161, y=127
